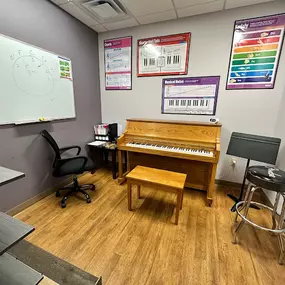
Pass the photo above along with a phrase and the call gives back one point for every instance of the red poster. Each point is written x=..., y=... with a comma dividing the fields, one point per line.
x=165, y=55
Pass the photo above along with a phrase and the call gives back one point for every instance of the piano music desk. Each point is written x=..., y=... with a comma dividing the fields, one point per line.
x=166, y=180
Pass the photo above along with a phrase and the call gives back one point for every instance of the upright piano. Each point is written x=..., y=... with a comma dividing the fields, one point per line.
x=192, y=148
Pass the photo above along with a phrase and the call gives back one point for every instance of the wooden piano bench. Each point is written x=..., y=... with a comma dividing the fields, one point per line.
x=166, y=180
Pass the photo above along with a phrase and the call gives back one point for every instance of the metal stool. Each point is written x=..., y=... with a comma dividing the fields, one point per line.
x=270, y=178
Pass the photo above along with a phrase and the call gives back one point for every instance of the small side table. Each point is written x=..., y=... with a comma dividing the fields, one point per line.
x=106, y=148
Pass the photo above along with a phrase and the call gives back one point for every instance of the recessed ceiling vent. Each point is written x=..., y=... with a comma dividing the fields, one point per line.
x=105, y=9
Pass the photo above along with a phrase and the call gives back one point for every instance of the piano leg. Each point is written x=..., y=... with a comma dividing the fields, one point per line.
x=122, y=175
x=120, y=165
x=211, y=187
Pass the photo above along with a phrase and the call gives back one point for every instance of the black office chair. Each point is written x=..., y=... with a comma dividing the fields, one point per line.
x=70, y=166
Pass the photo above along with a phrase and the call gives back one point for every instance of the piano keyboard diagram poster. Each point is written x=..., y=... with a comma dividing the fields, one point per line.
x=165, y=55
x=256, y=48
x=190, y=95
x=118, y=64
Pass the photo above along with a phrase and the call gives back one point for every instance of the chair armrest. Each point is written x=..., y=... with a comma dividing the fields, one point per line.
x=63, y=149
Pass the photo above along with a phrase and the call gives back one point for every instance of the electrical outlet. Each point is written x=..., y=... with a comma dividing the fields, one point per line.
x=233, y=162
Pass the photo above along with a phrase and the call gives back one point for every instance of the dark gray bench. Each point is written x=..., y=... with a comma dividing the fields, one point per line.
x=51, y=266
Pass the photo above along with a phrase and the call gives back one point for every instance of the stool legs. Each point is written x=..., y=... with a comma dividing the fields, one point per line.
x=278, y=223
x=245, y=199
x=249, y=195
x=274, y=210
x=280, y=236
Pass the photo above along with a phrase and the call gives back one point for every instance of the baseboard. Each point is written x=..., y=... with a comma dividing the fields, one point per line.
x=228, y=183
x=19, y=208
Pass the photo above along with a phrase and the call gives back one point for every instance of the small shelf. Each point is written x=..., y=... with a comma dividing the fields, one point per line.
x=11, y=232
x=14, y=272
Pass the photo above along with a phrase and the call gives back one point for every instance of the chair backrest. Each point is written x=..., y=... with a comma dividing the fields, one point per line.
x=52, y=142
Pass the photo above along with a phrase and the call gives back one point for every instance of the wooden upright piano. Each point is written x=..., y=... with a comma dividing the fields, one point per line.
x=192, y=148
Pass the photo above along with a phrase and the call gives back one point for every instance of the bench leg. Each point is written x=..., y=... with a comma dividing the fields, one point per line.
x=182, y=197
x=129, y=194
x=178, y=205
x=139, y=191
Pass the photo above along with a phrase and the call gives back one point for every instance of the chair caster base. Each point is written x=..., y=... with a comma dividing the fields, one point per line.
x=57, y=194
x=63, y=205
x=88, y=200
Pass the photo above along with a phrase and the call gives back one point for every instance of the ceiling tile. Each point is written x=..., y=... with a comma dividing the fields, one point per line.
x=99, y=28
x=201, y=9
x=185, y=3
x=234, y=4
x=121, y=24
x=59, y=2
x=144, y=7
x=78, y=13
x=157, y=17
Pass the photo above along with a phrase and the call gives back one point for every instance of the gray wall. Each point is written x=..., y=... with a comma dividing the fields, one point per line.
x=252, y=111
x=43, y=24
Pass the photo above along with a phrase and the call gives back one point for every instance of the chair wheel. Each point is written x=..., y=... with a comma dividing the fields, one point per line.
x=57, y=194
x=93, y=188
x=88, y=200
x=63, y=205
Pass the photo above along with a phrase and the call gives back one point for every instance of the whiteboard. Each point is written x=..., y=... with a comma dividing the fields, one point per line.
x=35, y=84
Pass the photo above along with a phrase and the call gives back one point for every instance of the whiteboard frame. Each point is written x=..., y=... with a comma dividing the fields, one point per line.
x=46, y=119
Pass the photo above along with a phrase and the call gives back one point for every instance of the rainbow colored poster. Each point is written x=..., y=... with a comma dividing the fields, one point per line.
x=256, y=48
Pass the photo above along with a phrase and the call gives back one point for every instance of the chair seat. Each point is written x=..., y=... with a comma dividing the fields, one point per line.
x=74, y=167
x=270, y=178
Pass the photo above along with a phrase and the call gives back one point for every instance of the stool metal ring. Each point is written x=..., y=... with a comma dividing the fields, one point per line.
x=252, y=223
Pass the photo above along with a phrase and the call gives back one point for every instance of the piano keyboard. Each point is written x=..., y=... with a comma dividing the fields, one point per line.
x=172, y=149
x=192, y=103
x=162, y=61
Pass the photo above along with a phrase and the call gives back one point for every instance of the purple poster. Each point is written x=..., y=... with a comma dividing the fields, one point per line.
x=190, y=95
x=256, y=48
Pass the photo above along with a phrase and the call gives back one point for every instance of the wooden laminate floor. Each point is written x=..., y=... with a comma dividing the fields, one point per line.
x=144, y=247
x=47, y=281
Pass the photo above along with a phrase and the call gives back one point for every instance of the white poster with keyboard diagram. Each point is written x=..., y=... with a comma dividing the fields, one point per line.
x=190, y=95
x=165, y=55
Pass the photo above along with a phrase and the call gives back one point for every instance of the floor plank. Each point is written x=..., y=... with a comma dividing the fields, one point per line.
x=47, y=281
x=144, y=247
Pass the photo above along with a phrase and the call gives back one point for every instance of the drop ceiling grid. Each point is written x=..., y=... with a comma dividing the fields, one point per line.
x=151, y=11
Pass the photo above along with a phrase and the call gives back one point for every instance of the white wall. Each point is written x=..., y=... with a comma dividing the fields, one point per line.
x=253, y=111
x=279, y=132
